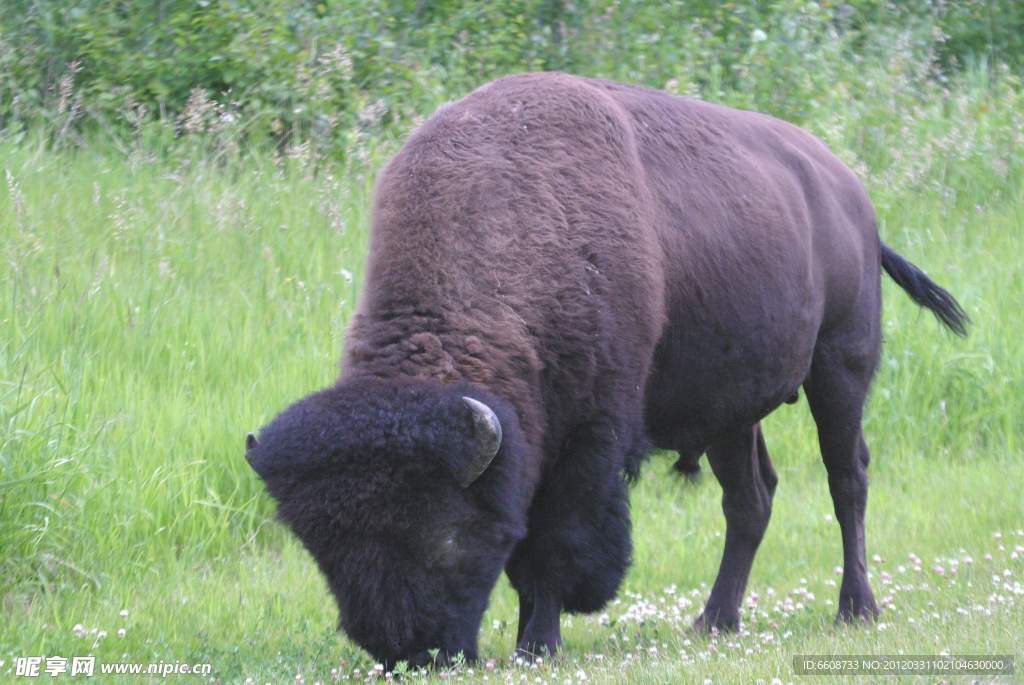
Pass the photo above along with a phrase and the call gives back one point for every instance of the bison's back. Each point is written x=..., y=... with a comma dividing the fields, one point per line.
x=554, y=238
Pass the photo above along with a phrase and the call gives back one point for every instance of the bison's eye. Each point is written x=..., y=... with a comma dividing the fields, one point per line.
x=444, y=548
x=449, y=549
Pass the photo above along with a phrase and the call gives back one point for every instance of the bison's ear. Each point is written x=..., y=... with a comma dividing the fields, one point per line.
x=487, y=431
x=250, y=442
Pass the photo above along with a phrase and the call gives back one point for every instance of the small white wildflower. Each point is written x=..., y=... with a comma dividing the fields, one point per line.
x=124, y=613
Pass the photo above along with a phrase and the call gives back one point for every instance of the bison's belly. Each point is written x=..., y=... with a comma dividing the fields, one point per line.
x=722, y=375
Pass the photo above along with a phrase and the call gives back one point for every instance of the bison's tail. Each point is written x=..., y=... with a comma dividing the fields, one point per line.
x=924, y=292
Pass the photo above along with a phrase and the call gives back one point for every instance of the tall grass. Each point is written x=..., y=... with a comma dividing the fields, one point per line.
x=161, y=300
x=151, y=316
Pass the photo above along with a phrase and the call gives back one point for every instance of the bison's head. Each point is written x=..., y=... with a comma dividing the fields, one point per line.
x=408, y=495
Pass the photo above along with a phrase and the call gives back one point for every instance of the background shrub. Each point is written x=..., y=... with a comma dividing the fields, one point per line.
x=298, y=70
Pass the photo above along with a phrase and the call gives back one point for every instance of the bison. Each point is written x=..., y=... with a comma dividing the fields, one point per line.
x=563, y=274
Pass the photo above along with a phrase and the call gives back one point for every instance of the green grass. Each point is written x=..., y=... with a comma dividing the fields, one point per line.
x=153, y=311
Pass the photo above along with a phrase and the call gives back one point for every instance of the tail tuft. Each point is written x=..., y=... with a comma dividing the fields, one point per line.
x=924, y=291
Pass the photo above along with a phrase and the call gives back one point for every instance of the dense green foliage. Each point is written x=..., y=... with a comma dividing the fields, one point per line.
x=300, y=69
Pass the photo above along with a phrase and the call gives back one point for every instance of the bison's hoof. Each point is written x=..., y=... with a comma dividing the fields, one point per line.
x=857, y=612
x=705, y=626
x=532, y=652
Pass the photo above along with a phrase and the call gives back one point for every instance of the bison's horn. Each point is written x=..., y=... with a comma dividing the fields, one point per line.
x=250, y=442
x=487, y=428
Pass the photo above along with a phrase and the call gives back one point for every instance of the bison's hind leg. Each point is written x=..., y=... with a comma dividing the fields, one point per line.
x=741, y=464
x=836, y=390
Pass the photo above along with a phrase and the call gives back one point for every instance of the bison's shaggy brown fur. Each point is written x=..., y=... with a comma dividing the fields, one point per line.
x=605, y=267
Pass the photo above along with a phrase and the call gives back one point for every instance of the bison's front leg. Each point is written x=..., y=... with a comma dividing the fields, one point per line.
x=577, y=549
x=540, y=631
x=744, y=469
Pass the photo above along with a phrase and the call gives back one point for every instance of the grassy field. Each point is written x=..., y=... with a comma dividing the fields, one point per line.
x=156, y=308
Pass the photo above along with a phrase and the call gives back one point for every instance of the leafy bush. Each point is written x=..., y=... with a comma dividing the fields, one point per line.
x=290, y=71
